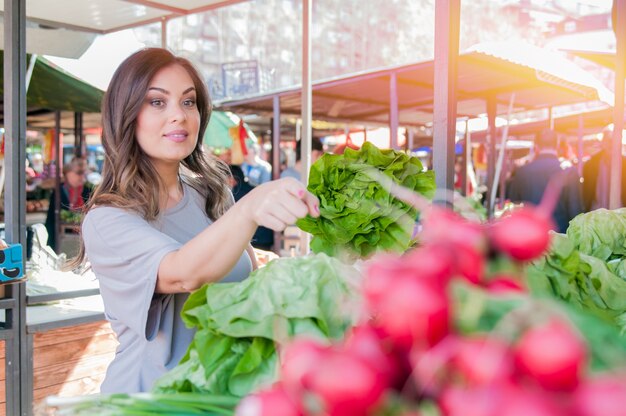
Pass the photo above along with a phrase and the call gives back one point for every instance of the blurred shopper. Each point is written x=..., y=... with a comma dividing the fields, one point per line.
x=257, y=170
x=75, y=192
x=596, y=174
x=263, y=237
x=295, y=171
x=529, y=181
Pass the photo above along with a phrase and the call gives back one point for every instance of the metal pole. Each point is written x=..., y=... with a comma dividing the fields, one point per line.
x=307, y=103
x=491, y=149
x=580, y=150
x=18, y=383
x=393, y=111
x=468, y=158
x=57, y=176
x=164, y=33
x=447, y=22
x=276, y=159
x=615, y=188
x=276, y=137
x=464, y=161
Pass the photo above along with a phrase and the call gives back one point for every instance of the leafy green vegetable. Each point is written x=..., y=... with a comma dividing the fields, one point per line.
x=478, y=311
x=600, y=233
x=357, y=216
x=238, y=324
x=180, y=404
x=586, y=267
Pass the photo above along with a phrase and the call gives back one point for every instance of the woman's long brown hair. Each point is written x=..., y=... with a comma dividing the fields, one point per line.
x=129, y=180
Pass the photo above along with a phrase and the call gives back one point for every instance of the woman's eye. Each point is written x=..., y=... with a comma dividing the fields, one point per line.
x=189, y=103
x=157, y=102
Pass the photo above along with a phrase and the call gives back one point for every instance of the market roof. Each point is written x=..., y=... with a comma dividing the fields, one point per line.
x=51, y=88
x=606, y=59
x=104, y=16
x=539, y=79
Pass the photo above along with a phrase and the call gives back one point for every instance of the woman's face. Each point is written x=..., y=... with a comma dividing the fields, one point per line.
x=168, y=122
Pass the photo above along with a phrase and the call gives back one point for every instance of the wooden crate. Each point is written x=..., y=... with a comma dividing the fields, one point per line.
x=67, y=362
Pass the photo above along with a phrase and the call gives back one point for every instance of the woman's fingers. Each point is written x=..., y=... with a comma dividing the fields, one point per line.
x=298, y=189
x=313, y=204
x=280, y=203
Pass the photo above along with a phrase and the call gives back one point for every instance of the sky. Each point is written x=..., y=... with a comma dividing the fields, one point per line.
x=97, y=64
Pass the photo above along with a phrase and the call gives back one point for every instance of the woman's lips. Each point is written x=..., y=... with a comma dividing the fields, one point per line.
x=177, y=136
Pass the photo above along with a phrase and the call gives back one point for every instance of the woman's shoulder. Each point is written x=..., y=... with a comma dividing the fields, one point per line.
x=109, y=215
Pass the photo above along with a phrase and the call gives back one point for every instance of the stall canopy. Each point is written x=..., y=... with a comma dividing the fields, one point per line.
x=104, y=16
x=223, y=128
x=606, y=59
x=51, y=88
x=539, y=79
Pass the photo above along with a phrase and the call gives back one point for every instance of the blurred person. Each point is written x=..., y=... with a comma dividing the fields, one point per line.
x=163, y=223
x=263, y=237
x=596, y=174
x=257, y=170
x=529, y=181
x=295, y=171
x=75, y=192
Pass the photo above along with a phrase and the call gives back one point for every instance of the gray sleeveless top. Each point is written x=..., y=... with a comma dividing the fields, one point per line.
x=125, y=252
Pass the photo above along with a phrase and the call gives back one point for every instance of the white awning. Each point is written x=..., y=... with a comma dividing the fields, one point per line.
x=104, y=16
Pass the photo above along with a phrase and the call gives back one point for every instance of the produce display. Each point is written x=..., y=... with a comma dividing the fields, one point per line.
x=471, y=318
x=445, y=333
x=358, y=216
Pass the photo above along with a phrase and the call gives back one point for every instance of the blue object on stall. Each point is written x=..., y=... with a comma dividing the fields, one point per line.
x=11, y=263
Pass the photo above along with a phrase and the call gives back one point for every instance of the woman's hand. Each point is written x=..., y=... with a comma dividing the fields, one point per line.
x=280, y=203
x=3, y=244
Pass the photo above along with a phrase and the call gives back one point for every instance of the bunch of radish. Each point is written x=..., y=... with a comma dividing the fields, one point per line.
x=407, y=353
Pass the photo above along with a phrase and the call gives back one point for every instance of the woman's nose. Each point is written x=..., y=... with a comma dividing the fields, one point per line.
x=178, y=113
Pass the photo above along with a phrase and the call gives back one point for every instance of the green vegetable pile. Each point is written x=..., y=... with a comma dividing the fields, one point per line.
x=148, y=404
x=357, y=216
x=239, y=324
x=586, y=266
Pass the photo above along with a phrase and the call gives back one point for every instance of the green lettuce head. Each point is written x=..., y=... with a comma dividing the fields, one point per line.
x=357, y=216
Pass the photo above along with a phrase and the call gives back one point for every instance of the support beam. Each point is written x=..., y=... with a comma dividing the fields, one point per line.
x=307, y=104
x=164, y=33
x=615, y=183
x=447, y=22
x=276, y=159
x=393, y=111
x=276, y=138
x=19, y=381
x=491, y=149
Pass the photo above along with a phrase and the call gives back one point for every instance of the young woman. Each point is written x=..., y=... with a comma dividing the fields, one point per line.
x=162, y=221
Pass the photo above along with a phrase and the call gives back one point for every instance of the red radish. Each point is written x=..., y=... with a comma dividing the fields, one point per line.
x=523, y=235
x=505, y=284
x=473, y=401
x=346, y=384
x=483, y=360
x=605, y=396
x=444, y=226
x=430, y=262
x=520, y=401
x=298, y=359
x=469, y=263
x=431, y=367
x=270, y=402
x=380, y=276
x=553, y=355
x=365, y=342
x=414, y=312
